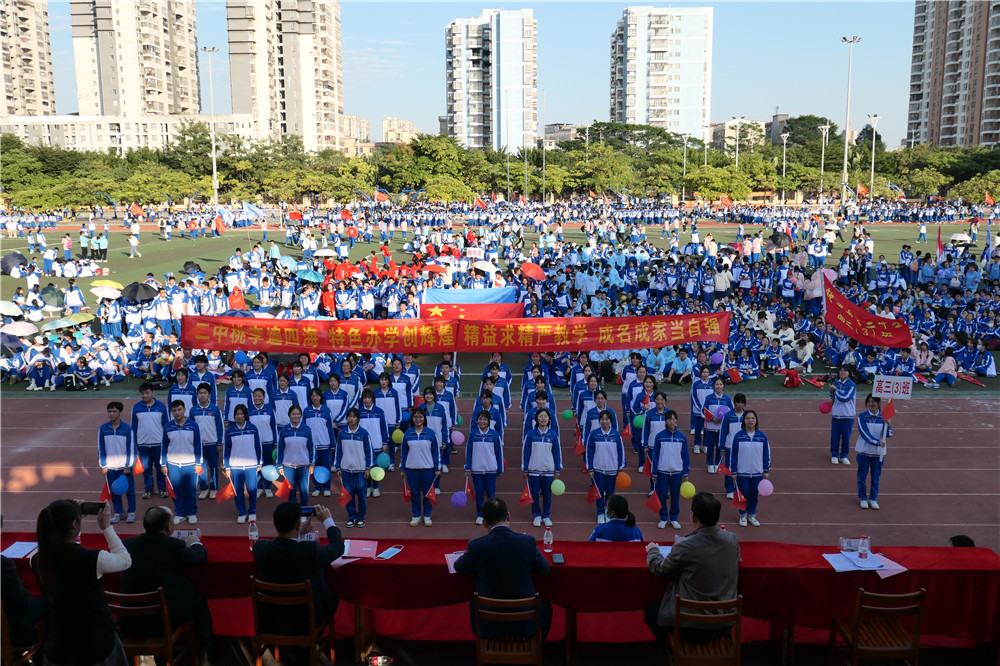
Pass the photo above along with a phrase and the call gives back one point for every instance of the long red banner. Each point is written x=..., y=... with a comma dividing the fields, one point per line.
x=436, y=335
x=862, y=325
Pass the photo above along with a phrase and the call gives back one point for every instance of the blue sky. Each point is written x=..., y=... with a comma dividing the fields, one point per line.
x=766, y=55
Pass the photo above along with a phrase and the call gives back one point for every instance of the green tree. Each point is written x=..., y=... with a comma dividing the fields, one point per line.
x=976, y=188
x=443, y=187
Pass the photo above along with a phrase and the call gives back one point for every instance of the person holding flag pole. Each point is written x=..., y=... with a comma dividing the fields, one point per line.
x=541, y=463
x=671, y=465
x=605, y=459
x=870, y=448
x=483, y=461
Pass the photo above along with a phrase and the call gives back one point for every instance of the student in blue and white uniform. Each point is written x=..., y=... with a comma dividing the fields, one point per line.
x=620, y=525
x=283, y=400
x=261, y=377
x=541, y=461
x=713, y=426
x=844, y=396
x=242, y=458
x=374, y=422
x=337, y=400
x=149, y=416
x=731, y=424
x=389, y=401
x=870, y=449
x=116, y=455
x=237, y=394
x=183, y=390
x=300, y=384
x=262, y=416
x=208, y=416
x=295, y=455
x=701, y=388
x=605, y=459
x=317, y=416
x=671, y=466
x=352, y=382
x=592, y=420
x=353, y=464
x=179, y=456
x=751, y=463
x=483, y=461
x=420, y=464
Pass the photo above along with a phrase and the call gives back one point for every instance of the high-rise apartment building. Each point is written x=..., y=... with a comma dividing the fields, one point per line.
x=285, y=68
x=357, y=128
x=661, y=68
x=135, y=58
x=28, y=89
x=492, y=79
x=955, y=73
x=395, y=130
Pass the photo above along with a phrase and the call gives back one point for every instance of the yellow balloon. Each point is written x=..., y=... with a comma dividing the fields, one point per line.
x=397, y=436
x=377, y=473
x=687, y=490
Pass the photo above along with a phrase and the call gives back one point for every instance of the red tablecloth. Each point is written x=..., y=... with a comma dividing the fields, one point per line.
x=780, y=583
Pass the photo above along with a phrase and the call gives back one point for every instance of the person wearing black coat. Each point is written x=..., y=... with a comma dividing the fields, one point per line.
x=22, y=610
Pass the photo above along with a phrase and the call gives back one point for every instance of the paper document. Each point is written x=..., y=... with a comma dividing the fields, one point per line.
x=450, y=559
x=891, y=568
x=665, y=550
x=870, y=562
x=360, y=548
x=20, y=549
x=341, y=561
x=839, y=562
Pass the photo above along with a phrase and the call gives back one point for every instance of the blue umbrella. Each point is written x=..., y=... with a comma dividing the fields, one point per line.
x=288, y=262
x=310, y=276
x=237, y=313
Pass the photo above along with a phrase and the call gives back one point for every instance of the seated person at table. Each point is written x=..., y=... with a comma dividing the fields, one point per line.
x=503, y=562
x=21, y=608
x=704, y=566
x=160, y=560
x=285, y=560
x=620, y=525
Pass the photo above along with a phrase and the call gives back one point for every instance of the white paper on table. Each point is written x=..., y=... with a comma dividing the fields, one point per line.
x=450, y=559
x=341, y=561
x=859, y=562
x=665, y=550
x=839, y=562
x=20, y=549
x=891, y=568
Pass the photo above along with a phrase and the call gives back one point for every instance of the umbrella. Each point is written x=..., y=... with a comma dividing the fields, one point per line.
x=237, y=313
x=960, y=238
x=139, y=291
x=781, y=240
x=434, y=268
x=20, y=328
x=832, y=227
x=275, y=310
x=533, y=270
x=975, y=219
x=106, y=283
x=53, y=296
x=81, y=317
x=10, y=345
x=325, y=252
x=192, y=267
x=56, y=324
x=106, y=292
x=11, y=260
x=10, y=309
x=726, y=249
x=310, y=276
x=263, y=315
x=288, y=262
x=485, y=266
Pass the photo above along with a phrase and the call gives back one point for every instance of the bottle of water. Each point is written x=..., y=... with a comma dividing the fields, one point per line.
x=547, y=540
x=253, y=533
x=864, y=547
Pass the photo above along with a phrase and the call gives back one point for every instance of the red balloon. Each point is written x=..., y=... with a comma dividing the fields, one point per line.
x=826, y=407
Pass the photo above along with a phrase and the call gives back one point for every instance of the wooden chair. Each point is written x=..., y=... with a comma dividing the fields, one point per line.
x=16, y=655
x=514, y=650
x=285, y=598
x=150, y=609
x=718, y=651
x=876, y=631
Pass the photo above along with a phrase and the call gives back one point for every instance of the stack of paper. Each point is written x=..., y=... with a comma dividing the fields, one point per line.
x=851, y=561
x=20, y=549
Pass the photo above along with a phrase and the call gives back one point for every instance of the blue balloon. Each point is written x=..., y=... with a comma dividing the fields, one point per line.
x=321, y=474
x=404, y=415
x=269, y=472
x=242, y=358
x=383, y=460
x=120, y=485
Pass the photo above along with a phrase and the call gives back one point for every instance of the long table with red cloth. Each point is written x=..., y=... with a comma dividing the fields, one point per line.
x=783, y=584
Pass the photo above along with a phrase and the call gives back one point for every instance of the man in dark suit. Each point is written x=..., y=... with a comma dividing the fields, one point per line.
x=286, y=560
x=22, y=609
x=503, y=562
x=160, y=560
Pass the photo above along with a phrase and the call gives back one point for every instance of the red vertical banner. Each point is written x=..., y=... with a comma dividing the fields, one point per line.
x=862, y=325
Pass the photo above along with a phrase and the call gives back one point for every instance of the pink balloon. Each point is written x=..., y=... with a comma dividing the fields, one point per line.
x=457, y=438
x=825, y=407
x=765, y=488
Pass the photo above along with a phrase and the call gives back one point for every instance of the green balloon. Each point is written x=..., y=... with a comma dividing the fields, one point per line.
x=567, y=415
x=558, y=487
x=274, y=454
x=639, y=420
x=459, y=420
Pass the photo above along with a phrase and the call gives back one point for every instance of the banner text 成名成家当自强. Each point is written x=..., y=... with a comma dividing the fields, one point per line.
x=437, y=335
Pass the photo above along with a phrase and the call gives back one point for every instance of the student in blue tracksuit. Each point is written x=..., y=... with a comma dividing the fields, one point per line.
x=870, y=449
x=701, y=388
x=713, y=426
x=620, y=525
x=261, y=377
x=317, y=416
x=180, y=454
x=731, y=424
x=541, y=462
x=644, y=401
x=498, y=419
x=208, y=416
x=242, y=457
x=237, y=394
x=592, y=419
x=116, y=454
x=419, y=464
x=844, y=396
x=374, y=422
x=149, y=416
x=353, y=465
x=483, y=461
x=201, y=373
x=183, y=390
x=447, y=399
x=439, y=421
x=388, y=400
x=751, y=463
x=337, y=401
x=605, y=458
x=283, y=400
x=671, y=466
x=296, y=455
x=262, y=416
x=654, y=421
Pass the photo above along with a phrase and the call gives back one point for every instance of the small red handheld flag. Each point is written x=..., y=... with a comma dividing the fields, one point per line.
x=739, y=501
x=707, y=414
x=431, y=496
x=594, y=493
x=654, y=504
x=647, y=469
x=227, y=493
x=734, y=375
x=407, y=495
x=889, y=411
x=627, y=432
x=284, y=489
x=988, y=199
x=105, y=492
x=138, y=468
x=170, y=488
x=468, y=487
x=135, y=209
x=345, y=497
x=525, y=498
x=722, y=469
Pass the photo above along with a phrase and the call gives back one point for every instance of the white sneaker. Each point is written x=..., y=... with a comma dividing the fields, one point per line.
x=547, y=522
x=52, y=387
x=662, y=524
x=368, y=493
x=180, y=519
x=479, y=520
x=537, y=522
x=260, y=491
x=107, y=382
x=192, y=519
x=711, y=469
x=326, y=493
x=427, y=521
x=873, y=504
x=32, y=386
x=864, y=504
x=845, y=461
x=834, y=460
x=315, y=493
x=754, y=521
x=444, y=469
x=203, y=494
x=241, y=519
x=130, y=518
x=729, y=495
x=414, y=521
x=252, y=517
x=692, y=432
x=211, y=494
x=641, y=468
x=376, y=492
x=268, y=493
x=697, y=449
x=391, y=468
x=115, y=518
x=674, y=524
x=743, y=521
x=437, y=491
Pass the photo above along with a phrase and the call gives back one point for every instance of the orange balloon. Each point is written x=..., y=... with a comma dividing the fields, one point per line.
x=623, y=481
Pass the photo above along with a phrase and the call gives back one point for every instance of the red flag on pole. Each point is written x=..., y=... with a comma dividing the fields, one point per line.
x=940, y=245
x=105, y=492
x=480, y=203
x=227, y=493
x=594, y=493
x=170, y=488
x=525, y=498
x=138, y=468
x=468, y=487
x=862, y=325
x=654, y=504
x=592, y=195
x=988, y=199
x=722, y=469
x=431, y=496
x=345, y=497
x=739, y=501
x=407, y=495
x=726, y=201
x=284, y=489
x=862, y=190
x=647, y=469
x=136, y=210
x=889, y=411
x=734, y=375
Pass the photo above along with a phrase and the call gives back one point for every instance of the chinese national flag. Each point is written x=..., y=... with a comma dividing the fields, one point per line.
x=707, y=414
x=889, y=411
x=861, y=325
x=647, y=469
x=862, y=190
x=654, y=504
x=345, y=497
x=480, y=203
x=723, y=470
x=627, y=432
x=592, y=195
x=105, y=493
x=593, y=494
x=284, y=490
x=726, y=201
x=136, y=210
x=170, y=488
x=381, y=196
x=472, y=310
x=407, y=495
x=468, y=487
x=739, y=501
x=522, y=201
x=227, y=493
x=525, y=498
x=988, y=199
x=138, y=468
x=578, y=447
x=431, y=496
x=734, y=375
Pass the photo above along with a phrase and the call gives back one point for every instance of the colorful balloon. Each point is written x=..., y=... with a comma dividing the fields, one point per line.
x=269, y=472
x=321, y=474
x=558, y=487
x=397, y=435
x=567, y=414
x=383, y=459
x=457, y=438
x=459, y=420
x=459, y=499
x=721, y=412
x=716, y=359
x=623, y=481
x=120, y=485
x=377, y=473
x=826, y=407
x=765, y=488
x=687, y=490
x=639, y=420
